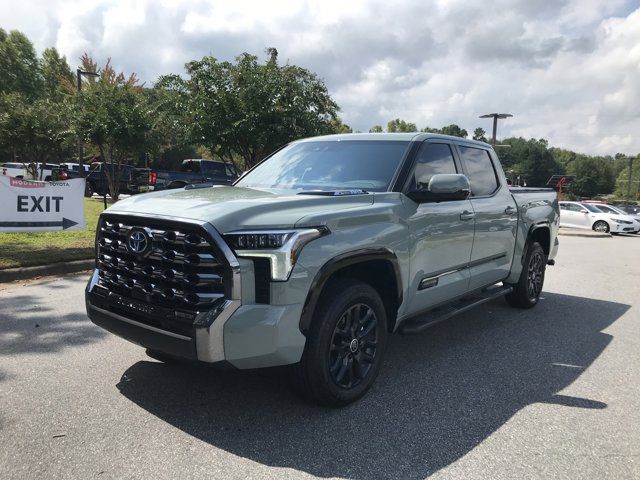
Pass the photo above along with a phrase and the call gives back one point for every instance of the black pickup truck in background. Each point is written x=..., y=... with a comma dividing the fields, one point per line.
x=134, y=180
x=196, y=170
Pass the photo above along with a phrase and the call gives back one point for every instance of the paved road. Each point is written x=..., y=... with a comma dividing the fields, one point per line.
x=495, y=393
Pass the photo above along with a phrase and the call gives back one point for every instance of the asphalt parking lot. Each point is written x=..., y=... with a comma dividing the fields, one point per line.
x=552, y=392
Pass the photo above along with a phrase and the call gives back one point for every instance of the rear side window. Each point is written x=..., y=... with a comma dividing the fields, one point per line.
x=480, y=171
x=214, y=168
x=433, y=158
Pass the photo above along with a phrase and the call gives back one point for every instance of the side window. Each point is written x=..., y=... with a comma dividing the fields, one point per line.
x=482, y=175
x=433, y=158
x=573, y=207
x=228, y=171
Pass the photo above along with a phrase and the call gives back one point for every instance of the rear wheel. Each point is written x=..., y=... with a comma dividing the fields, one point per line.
x=345, y=344
x=601, y=226
x=526, y=292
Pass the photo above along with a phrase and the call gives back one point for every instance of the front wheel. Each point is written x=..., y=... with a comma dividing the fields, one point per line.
x=345, y=344
x=601, y=226
x=526, y=292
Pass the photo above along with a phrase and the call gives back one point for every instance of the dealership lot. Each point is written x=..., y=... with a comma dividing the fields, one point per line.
x=493, y=393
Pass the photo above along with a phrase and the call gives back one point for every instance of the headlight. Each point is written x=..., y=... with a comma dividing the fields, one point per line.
x=621, y=221
x=281, y=247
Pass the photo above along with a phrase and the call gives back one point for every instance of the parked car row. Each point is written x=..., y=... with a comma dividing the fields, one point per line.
x=600, y=217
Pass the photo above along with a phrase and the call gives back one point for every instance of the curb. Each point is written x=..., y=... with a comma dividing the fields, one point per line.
x=24, y=273
x=582, y=233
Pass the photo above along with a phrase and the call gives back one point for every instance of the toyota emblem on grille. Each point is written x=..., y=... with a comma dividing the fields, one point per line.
x=138, y=241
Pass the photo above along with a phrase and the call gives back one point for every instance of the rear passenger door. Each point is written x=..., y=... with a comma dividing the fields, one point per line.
x=496, y=217
x=441, y=234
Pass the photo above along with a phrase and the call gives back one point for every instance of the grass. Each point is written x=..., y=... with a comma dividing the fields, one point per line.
x=41, y=248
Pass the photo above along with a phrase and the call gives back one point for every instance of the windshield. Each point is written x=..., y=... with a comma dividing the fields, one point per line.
x=591, y=208
x=329, y=165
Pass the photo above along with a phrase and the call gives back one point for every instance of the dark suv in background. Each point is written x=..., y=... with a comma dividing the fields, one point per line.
x=197, y=170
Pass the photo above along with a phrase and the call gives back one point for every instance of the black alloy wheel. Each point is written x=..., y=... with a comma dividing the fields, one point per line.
x=345, y=344
x=535, y=274
x=526, y=292
x=353, y=346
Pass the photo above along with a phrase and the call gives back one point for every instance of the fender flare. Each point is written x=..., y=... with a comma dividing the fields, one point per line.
x=532, y=229
x=337, y=263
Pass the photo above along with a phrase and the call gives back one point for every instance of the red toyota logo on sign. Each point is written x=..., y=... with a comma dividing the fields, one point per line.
x=18, y=182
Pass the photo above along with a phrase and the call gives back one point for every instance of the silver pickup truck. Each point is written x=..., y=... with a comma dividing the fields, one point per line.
x=316, y=255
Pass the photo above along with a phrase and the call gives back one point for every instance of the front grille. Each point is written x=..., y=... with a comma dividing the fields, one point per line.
x=183, y=268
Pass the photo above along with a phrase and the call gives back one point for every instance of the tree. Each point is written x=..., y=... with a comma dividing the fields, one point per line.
x=56, y=74
x=376, y=129
x=530, y=159
x=479, y=134
x=622, y=186
x=250, y=108
x=594, y=175
x=19, y=65
x=454, y=130
x=36, y=130
x=339, y=127
x=113, y=114
x=398, y=125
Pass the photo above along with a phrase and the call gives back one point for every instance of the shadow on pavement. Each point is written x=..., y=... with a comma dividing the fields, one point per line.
x=26, y=327
x=440, y=394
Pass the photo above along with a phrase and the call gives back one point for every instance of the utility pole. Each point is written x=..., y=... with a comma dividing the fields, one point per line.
x=79, y=74
x=495, y=117
x=629, y=182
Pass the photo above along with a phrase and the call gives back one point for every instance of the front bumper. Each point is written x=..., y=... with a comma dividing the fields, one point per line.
x=245, y=336
x=622, y=227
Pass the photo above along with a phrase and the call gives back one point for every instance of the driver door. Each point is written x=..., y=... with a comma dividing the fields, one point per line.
x=441, y=234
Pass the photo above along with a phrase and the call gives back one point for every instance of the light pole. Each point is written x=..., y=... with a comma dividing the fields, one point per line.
x=495, y=117
x=79, y=74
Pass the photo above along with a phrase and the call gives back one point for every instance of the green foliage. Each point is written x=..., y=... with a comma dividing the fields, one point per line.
x=19, y=66
x=250, y=108
x=530, y=159
x=56, y=74
x=622, y=187
x=112, y=114
x=455, y=131
x=339, y=127
x=479, y=134
x=37, y=130
x=376, y=129
x=398, y=125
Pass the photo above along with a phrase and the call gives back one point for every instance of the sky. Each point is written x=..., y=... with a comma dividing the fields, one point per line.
x=568, y=70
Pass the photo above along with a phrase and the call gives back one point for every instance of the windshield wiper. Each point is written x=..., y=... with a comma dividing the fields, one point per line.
x=334, y=193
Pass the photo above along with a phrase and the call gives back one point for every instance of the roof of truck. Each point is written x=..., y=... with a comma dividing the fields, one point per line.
x=406, y=137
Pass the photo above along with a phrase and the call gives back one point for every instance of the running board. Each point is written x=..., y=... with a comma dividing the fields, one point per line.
x=422, y=322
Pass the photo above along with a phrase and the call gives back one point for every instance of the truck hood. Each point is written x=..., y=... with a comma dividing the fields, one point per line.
x=238, y=208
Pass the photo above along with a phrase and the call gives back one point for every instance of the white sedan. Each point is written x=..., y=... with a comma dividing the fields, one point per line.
x=590, y=217
x=616, y=211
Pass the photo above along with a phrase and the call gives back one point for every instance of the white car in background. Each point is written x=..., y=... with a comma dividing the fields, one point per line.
x=13, y=169
x=590, y=217
x=606, y=208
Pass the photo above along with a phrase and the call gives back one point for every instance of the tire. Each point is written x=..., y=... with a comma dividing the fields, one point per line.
x=88, y=190
x=526, y=292
x=345, y=344
x=601, y=226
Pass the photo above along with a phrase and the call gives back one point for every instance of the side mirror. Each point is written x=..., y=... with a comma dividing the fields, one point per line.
x=584, y=210
x=442, y=187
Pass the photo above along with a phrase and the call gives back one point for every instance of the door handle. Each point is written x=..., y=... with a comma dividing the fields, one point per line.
x=467, y=215
x=510, y=210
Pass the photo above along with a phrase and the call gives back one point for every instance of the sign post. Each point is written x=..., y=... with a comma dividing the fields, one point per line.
x=31, y=206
